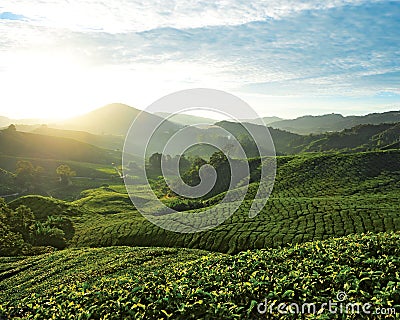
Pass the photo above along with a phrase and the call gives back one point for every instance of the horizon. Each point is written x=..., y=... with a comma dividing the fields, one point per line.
x=200, y=113
x=283, y=58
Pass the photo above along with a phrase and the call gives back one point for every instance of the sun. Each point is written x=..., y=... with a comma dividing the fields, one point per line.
x=44, y=85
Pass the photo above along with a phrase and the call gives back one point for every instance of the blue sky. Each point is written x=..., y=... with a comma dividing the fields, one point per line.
x=286, y=58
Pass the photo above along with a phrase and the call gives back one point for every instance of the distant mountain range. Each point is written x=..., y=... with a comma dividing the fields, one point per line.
x=333, y=122
x=186, y=119
x=359, y=138
x=106, y=127
x=266, y=120
x=115, y=119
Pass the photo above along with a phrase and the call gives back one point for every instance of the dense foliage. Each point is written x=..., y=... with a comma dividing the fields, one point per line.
x=21, y=233
x=135, y=283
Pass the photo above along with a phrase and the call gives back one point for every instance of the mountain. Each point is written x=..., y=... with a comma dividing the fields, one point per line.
x=359, y=138
x=186, y=119
x=333, y=122
x=112, y=119
x=29, y=145
x=267, y=120
x=281, y=139
x=362, y=137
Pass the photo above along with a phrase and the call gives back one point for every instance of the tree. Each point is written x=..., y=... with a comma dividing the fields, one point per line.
x=47, y=235
x=11, y=243
x=27, y=175
x=221, y=164
x=184, y=164
x=21, y=221
x=11, y=128
x=191, y=176
x=249, y=145
x=218, y=159
x=65, y=173
x=155, y=164
x=11, y=240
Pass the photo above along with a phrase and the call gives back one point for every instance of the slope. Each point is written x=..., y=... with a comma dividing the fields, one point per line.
x=22, y=144
x=111, y=142
x=359, y=138
x=155, y=283
x=112, y=119
x=186, y=119
x=315, y=197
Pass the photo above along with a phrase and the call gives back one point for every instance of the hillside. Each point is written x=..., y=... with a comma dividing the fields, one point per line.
x=281, y=139
x=333, y=122
x=156, y=283
x=111, y=122
x=7, y=185
x=315, y=197
x=185, y=119
x=359, y=138
x=267, y=120
x=114, y=119
x=22, y=144
x=111, y=142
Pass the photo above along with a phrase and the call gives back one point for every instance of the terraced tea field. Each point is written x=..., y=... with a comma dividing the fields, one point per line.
x=162, y=283
x=331, y=224
x=315, y=197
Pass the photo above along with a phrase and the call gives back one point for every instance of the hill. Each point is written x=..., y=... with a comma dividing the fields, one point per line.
x=22, y=123
x=7, y=184
x=29, y=145
x=282, y=139
x=156, y=283
x=111, y=142
x=359, y=138
x=333, y=122
x=267, y=120
x=315, y=197
x=114, y=119
x=186, y=119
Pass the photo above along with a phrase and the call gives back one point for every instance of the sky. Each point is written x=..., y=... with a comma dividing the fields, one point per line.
x=285, y=58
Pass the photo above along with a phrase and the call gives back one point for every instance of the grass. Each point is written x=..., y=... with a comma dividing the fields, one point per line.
x=161, y=283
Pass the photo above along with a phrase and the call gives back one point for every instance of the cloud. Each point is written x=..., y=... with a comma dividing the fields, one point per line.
x=11, y=16
x=289, y=48
x=140, y=15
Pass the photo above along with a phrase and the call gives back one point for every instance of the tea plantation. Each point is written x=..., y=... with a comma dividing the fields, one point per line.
x=315, y=197
x=162, y=283
x=331, y=224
